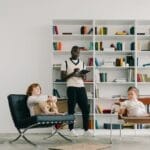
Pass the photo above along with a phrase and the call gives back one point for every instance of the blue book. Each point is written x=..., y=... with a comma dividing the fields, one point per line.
x=97, y=63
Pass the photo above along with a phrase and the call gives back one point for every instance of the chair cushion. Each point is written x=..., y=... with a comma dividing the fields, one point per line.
x=46, y=120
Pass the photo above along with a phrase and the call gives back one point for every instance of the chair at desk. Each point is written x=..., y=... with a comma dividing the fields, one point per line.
x=23, y=121
x=134, y=120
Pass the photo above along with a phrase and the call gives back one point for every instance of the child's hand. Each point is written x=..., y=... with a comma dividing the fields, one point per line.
x=49, y=97
x=117, y=103
x=52, y=99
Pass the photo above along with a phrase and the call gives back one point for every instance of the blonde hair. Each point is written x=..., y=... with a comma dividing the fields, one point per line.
x=30, y=88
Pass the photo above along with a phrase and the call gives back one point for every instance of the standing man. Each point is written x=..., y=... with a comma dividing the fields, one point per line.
x=76, y=92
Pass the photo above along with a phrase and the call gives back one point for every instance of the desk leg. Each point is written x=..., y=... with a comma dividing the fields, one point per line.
x=120, y=131
x=110, y=129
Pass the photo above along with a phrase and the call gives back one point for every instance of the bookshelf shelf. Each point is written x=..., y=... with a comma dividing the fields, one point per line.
x=59, y=83
x=143, y=37
x=117, y=49
x=143, y=83
x=115, y=83
x=142, y=52
x=58, y=66
x=115, y=67
x=143, y=68
x=114, y=37
x=125, y=52
x=60, y=52
x=106, y=115
x=73, y=37
x=86, y=82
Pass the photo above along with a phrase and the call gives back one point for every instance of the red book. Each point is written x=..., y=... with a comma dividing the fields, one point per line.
x=56, y=29
x=90, y=63
x=106, y=111
x=139, y=79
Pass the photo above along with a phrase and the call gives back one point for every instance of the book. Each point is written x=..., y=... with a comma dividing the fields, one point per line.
x=97, y=63
x=56, y=93
x=100, y=108
x=67, y=33
x=90, y=31
x=97, y=124
x=96, y=46
x=91, y=124
x=59, y=45
x=84, y=71
x=55, y=29
x=146, y=65
x=130, y=77
x=95, y=30
x=55, y=45
x=90, y=61
x=139, y=77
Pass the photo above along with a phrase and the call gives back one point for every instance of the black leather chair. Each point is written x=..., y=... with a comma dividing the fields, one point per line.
x=23, y=121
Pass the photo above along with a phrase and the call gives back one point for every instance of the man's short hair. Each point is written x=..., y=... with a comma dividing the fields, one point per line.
x=74, y=48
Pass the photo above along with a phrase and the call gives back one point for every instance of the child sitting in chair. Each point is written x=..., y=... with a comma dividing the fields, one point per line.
x=132, y=106
x=39, y=104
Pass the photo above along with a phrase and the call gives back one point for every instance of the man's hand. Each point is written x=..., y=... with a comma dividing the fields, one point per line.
x=76, y=70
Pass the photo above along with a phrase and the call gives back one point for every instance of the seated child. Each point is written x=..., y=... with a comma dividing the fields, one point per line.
x=132, y=106
x=39, y=104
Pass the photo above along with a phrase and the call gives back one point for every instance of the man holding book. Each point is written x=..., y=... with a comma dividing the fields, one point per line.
x=73, y=72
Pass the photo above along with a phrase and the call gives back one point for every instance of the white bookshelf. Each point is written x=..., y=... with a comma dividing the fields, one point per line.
x=130, y=38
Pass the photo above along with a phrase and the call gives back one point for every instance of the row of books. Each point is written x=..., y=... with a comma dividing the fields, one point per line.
x=57, y=45
x=119, y=62
x=91, y=124
x=108, y=125
x=83, y=30
x=98, y=109
x=89, y=30
x=143, y=77
x=99, y=62
x=139, y=46
x=130, y=75
x=112, y=48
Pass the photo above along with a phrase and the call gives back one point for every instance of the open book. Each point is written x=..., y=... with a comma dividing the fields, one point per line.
x=84, y=71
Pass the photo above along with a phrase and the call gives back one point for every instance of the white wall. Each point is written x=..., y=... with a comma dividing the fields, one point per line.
x=25, y=39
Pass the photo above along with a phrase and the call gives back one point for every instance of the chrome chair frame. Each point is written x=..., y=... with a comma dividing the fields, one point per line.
x=23, y=121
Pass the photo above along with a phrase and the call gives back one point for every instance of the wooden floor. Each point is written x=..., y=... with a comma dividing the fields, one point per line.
x=140, y=141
